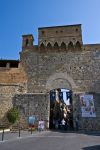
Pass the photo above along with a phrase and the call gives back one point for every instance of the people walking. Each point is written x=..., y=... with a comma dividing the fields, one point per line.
x=63, y=123
x=77, y=122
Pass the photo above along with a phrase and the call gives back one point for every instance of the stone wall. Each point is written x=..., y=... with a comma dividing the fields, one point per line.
x=83, y=67
x=33, y=105
x=12, y=75
x=7, y=93
x=77, y=71
x=87, y=123
x=12, y=81
x=60, y=34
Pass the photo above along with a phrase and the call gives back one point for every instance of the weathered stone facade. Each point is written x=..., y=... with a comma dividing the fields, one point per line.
x=60, y=60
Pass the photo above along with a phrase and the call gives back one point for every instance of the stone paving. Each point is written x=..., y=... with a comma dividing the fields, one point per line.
x=10, y=136
x=51, y=140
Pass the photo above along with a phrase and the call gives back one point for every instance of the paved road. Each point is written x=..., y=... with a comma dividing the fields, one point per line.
x=53, y=141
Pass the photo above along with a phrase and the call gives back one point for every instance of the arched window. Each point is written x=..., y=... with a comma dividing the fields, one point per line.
x=42, y=46
x=56, y=46
x=27, y=42
x=63, y=45
x=78, y=46
x=70, y=46
x=49, y=46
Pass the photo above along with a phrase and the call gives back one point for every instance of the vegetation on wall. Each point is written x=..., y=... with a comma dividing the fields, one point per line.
x=12, y=115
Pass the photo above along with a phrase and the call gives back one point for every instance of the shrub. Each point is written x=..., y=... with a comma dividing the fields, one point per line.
x=12, y=115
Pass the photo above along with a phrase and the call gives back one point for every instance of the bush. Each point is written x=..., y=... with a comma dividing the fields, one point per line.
x=12, y=115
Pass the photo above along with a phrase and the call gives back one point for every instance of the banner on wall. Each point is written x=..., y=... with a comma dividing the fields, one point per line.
x=87, y=105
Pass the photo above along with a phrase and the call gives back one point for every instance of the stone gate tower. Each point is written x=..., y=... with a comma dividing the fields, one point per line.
x=60, y=60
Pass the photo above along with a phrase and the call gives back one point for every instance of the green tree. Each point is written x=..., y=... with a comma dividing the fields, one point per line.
x=12, y=115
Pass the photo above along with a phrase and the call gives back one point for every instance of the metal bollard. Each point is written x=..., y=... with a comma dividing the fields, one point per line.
x=19, y=132
x=31, y=130
x=3, y=135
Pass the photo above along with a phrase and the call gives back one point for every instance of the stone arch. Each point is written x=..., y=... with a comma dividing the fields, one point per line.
x=63, y=46
x=78, y=45
x=42, y=46
x=60, y=80
x=70, y=46
x=56, y=46
x=49, y=46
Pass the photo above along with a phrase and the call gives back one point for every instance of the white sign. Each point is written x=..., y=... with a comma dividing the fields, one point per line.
x=31, y=120
x=41, y=125
x=87, y=106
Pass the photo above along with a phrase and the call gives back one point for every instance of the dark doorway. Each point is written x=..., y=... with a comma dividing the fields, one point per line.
x=61, y=110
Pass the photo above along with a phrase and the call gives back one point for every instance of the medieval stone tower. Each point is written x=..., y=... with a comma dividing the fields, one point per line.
x=60, y=60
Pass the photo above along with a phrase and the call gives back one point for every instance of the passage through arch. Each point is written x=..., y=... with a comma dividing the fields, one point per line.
x=61, y=109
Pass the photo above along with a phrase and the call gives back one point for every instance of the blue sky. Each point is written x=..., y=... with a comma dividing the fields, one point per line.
x=18, y=17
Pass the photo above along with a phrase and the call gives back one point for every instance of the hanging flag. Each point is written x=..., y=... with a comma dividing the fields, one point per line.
x=60, y=95
x=52, y=95
x=68, y=95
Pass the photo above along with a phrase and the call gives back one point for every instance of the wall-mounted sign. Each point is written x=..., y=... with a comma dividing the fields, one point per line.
x=41, y=125
x=31, y=120
x=87, y=105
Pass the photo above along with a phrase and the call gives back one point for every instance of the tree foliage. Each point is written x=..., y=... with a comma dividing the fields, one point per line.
x=12, y=115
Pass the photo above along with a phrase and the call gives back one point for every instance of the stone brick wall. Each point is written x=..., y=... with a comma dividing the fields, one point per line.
x=12, y=81
x=12, y=75
x=87, y=123
x=83, y=67
x=33, y=105
x=60, y=34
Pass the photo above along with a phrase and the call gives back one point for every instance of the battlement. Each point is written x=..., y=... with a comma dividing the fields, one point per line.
x=60, y=34
x=27, y=41
x=56, y=37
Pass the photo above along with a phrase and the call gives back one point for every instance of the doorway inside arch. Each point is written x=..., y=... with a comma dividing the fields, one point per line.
x=61, y=109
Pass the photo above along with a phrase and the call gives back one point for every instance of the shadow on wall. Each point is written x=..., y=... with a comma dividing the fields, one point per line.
x=96, y=147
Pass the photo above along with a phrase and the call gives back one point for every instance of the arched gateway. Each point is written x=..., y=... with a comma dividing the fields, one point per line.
x=56, y=85
x=59, y=61
x=60, y=80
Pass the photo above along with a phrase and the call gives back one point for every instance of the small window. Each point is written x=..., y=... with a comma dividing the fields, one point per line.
x=2, y=64
x=56, y=31
x=76, y=29
x=27, y=42
x=43, y=32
